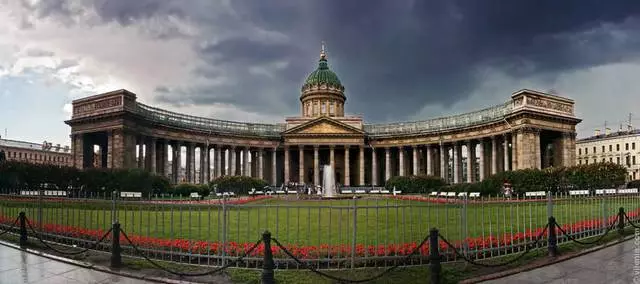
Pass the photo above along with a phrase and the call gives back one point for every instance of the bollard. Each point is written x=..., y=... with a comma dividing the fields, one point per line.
x=621, y=221
x=268, y=265
x=116, y=256
x=434, y=256
x=553, y=238
x=23, y=229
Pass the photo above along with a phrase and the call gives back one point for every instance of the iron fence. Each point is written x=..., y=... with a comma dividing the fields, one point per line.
x=370, y=231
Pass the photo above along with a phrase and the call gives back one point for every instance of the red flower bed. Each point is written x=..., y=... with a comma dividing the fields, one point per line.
x=323, y=250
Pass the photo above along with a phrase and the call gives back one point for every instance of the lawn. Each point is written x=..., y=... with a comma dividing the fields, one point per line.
x=312, y=223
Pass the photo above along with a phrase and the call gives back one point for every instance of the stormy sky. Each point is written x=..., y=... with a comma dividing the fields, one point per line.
x=246, y=60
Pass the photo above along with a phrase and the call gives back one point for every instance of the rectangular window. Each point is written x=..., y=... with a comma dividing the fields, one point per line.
x=602, y=148
x=610, y=148
x=603, y=160
x=586, y=161
x=628, y=161
x=594, y=149
x=618, y=160
x=579, y=162
x=611, y=160
x=586, y=151
x=323, y=109
x=626, y=146
x=579, y=151
x=595, y=161
x=633, y=160
x=617, y=147
x=633, y=146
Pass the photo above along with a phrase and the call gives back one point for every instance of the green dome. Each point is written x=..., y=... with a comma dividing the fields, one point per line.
x=323, y=75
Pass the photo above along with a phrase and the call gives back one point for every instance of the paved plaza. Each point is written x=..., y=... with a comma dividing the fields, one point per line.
x=612, y=265
x=17, y=267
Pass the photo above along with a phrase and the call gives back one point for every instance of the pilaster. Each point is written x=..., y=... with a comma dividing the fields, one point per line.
x=361, y=181
x=387, y=164
x=347, y=175
x=415, y=160
x=286, y=165
x=471, y=161
x=301, y=164
x=429, y=160
x=374, y=167
x=316, y=165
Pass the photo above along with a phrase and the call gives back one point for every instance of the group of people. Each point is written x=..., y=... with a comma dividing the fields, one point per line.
x=3, y=156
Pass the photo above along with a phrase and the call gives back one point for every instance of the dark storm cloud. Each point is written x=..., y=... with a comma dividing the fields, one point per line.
x=390, y=55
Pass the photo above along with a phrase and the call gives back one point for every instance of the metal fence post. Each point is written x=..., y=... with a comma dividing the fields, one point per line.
x=23, y=229
x=434, y=256
x=40, y=205
x=116, y=257
x=224, y=230
x=354, y=238
x=621, y=221
x=549, y=204
x=268, y=265
x=553, y=238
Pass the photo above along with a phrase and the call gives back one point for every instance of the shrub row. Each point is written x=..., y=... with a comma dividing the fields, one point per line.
x=237, y=184
x=25, y=176
x=556, y=179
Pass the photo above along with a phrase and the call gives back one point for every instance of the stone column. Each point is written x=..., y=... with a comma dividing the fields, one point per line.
x=274, y=171
x=140, y=143
x=429, y=160
x=415, y=160
x=481, y=162
x=192, y=164
x=361, y=167
x=177, y=162
x=332, y=157
x=347, y=175
x=387, y=164
x=203, y=165
x=109, y=149
x=286, y=164
x=301, y=164
x=316, y=165
x=494, y=155
x=538, y=156
x=374, y=167
x=507, y=164
x=471, y=161
x=401, y=161
x=152, y=154
x=444, y=162
x=260, y=163
x=247, y=164
x=568, y=148
x=232, y=167
x=457, y=163
x=218, y=159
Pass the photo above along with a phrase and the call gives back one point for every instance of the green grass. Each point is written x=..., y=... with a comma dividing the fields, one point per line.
x=319, y=222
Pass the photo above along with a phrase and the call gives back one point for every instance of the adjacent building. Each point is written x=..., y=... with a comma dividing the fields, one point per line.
x=36, y=153
x=531, y=129
x=621, y=147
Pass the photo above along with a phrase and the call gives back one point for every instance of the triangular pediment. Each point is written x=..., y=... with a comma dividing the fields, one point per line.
x=324, y=125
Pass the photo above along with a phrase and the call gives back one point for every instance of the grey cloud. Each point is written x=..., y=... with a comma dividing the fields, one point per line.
x=394, y=57
x=35, y=52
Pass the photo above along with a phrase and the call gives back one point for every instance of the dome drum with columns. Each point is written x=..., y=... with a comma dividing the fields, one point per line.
x=530, y=130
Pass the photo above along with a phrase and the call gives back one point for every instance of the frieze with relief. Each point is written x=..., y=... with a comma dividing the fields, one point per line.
x=103, y=104
x=550, y=105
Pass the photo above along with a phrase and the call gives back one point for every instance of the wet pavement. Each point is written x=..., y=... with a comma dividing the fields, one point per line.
x=618, y=264
x=17, y=267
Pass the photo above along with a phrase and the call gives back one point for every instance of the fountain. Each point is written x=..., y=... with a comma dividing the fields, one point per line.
x=328, y=182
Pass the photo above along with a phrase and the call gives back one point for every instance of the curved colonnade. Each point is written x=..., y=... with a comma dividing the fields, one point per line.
x=531, y=130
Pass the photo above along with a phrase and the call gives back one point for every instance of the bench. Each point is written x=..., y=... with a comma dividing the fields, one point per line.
x=442, y=194
x=280, y=192
x=628, y=191
x=396, y=192
x=451, y=194
x=474, y=194
x=346, y=191
x=360, y=191
x=578, y=192
x=55, y=193
x=195, y=195
x=433, y=193
x=462, y=194
x=374, y=191
x=535, y=193
x=128, y=194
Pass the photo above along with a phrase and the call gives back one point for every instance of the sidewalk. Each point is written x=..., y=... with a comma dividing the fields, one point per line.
x=610, y=265
x=17, y=267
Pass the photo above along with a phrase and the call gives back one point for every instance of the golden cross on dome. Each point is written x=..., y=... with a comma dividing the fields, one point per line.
x=323, y=54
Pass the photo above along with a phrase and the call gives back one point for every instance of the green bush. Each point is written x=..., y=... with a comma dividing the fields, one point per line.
x=415, y=184
x=237, y=184
x=25, y=176
x=634, y=184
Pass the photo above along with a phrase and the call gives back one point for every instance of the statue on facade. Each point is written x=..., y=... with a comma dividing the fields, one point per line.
x=3, y=156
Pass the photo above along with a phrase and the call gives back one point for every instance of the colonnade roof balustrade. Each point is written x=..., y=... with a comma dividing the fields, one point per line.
x=487, y=115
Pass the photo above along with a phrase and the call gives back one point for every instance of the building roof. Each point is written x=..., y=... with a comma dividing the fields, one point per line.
x=617, y=134
x=34, y=146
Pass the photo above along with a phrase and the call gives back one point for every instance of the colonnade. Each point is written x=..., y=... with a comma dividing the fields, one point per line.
x=354, y=165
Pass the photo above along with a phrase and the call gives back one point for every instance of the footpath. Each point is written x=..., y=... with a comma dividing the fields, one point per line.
x=612, y=265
